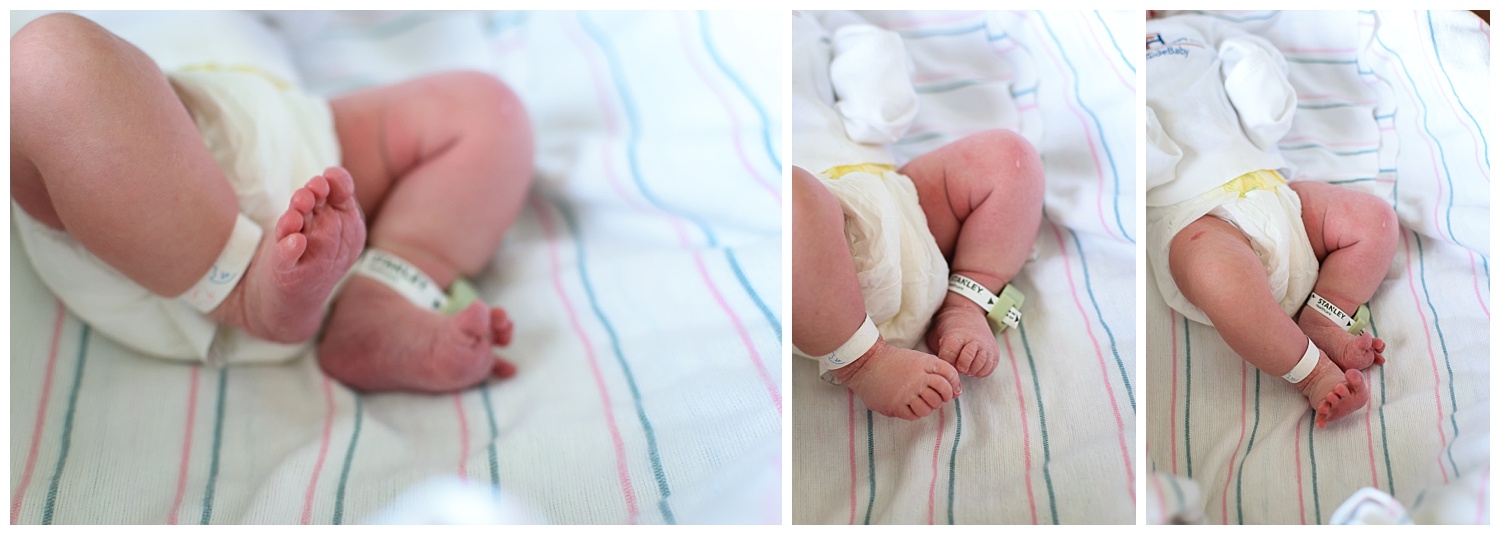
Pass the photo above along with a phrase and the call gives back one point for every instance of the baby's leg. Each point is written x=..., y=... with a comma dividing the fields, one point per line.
x=1217, y=270
x=983, y=199
x=1354, y=237
x=442, y=165
x=102, y=148
x=827, y=309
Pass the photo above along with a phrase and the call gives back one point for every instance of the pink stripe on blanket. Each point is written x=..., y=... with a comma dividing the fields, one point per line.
x=1437, y=175
x=627, y=490
x=598, y=76
x=1432, y=68
x=1161, y=498
x=1109, y=390
x=1229, y=475
x=1431, y=356
x=1297, y=455
x=734, y=118
x=1088, y=135
x=1015, y=374
x=1474, y=271
x=1370, y=444
x=187, y=445
x=19, y=494
x=463, y=436
x=312, y=485
x=1105, y=54
x=937, y=445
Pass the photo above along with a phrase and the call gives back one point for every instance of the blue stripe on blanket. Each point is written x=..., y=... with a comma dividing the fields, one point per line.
x=1432, y=37
x=1442, y=155
x=1078, y=97
x=614, y=341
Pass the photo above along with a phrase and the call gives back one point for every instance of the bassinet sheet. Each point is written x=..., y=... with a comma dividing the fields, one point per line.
x=644, y=277
x=1049, y=438
x=1393, y=103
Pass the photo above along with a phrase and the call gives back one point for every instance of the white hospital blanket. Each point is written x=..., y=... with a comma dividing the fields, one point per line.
x=644, y=277
x=1246, y=439
x=1049, y=437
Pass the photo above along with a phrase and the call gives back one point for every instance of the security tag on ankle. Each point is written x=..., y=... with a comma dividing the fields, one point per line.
x=1304, y=366
x=1354, y=325
x=401, y=276
x=226, y=272
x=1004, y=309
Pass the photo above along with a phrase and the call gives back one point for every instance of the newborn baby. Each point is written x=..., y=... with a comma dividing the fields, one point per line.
x=872, y=245
x=1232, y=244
x=212, y=213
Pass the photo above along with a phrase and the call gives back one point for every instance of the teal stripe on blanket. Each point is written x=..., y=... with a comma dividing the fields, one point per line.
x=338, y=502
x=1239, y=492
x=614, y=339
x=1041, y=412
x=213, y=464
x=1443, y=344
x=870, y=443
x=958, y=431
x=67, y=430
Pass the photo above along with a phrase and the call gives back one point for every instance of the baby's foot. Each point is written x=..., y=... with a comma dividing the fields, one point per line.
x=1333, y=393
x=961, y=336
x=1348, y=351
x=378, y=340
x=898, y=382
x=299, y=262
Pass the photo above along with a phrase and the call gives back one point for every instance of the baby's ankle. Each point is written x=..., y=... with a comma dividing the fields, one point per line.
x=852, y=370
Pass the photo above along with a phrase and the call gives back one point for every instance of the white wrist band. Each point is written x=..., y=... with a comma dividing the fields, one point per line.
x=1304, y=366
x=402, y=277
x=1004, y=308
x=226, y=272
x=861, y=341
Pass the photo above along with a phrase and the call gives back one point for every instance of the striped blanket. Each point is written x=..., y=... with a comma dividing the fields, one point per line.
x=644, y=277
x=1049, y=438
x=1392, y=103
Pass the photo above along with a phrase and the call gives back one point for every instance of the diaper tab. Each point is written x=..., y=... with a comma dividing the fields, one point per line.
x=1004, y=309
x=1263, y=180
x=835, y=172
x=226, y=272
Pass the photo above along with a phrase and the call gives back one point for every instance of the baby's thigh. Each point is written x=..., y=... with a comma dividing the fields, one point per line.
x=387, y=131
x=990, y=167
x=1211, y=261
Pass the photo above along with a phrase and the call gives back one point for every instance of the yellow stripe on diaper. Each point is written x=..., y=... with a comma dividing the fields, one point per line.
x=1264, y=179
x=242, y=69
x=833, y=173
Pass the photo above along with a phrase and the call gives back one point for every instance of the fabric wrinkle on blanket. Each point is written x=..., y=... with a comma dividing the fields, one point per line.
x=268, y=139
x=849, y=101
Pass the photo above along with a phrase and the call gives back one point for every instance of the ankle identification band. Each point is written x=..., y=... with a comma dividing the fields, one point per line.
x=226, y=272
x=1304, y=366
x=1354, y=325
x=409, y=281
x=1004, y=309
x=861, y=341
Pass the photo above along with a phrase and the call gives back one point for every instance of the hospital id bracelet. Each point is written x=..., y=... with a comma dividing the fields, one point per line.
x=1304, y=366
x=1355, y=325
x=1004, y=308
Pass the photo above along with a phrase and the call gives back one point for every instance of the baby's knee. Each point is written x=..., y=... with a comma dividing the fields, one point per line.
x=481, y=99
x=1019, y=168
x=58, y=43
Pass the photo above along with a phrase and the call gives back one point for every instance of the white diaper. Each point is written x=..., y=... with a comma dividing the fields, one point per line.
x=268, y=138
x=902, y=274
x=1268, y=212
